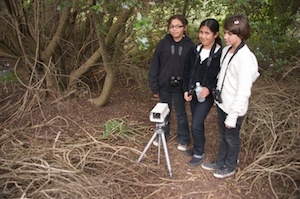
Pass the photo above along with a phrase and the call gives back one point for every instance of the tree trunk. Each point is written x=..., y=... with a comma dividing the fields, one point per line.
x=185, y=7
x=109, y=78
x=76, y=74
x=49, y=67
x=107, y=51
x=107, y=88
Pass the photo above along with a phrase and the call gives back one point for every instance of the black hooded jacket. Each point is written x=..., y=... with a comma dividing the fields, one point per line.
x=196, y=72
x=168, y=60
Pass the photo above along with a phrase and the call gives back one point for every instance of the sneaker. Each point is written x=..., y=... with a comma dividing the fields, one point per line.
x=189, y=152
x=155, y=142
x=223, y=172
x=196, y=160
x=210, y=166
x=182, y=147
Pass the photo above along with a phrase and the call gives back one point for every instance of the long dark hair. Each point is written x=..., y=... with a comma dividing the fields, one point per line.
x=214, y=26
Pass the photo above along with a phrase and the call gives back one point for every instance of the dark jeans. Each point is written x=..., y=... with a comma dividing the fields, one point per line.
x=183, y=132
x=229, y=145
x=199, y=112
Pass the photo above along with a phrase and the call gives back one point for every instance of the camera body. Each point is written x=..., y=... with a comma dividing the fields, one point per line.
x=191, y=90
x=217, y=95
x=159, y=113
x=175, y=81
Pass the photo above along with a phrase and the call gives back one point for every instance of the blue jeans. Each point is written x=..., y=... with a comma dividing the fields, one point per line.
x=183, y=132
x=229, y=145
x=199, y=112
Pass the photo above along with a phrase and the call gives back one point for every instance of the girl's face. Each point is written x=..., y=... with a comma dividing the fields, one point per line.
x=231, y=39
x=176, y=29
x=207, y=37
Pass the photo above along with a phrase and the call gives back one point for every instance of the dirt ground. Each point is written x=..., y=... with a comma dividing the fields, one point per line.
x=194, y=182
x=189, y=183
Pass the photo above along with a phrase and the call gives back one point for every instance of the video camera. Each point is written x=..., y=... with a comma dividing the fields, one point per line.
x=159, y=113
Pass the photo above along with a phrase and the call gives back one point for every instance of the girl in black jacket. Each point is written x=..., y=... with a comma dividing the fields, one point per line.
x=166, y=72
x=202, y=65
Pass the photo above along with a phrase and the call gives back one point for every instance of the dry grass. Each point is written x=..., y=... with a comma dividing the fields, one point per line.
x=271, y=137
x=73, y=163
x=65, y=156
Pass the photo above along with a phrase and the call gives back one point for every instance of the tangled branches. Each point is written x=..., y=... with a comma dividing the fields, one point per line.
x=73, y=164
x=56, y=153
x=271, y=138
x=49, y=153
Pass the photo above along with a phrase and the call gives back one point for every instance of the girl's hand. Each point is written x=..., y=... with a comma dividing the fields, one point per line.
x=229, y=127
x=204, y=92
x=156, y=95
x=187, y=97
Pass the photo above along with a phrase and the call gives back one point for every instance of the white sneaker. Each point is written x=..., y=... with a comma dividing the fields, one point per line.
x=182, y=147
x=155, y=142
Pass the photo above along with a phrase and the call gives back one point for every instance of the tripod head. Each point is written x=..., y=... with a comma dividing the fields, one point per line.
x=161, y=125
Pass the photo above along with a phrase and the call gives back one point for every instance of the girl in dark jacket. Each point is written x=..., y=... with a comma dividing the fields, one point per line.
x=165, y=76
x=202, y=65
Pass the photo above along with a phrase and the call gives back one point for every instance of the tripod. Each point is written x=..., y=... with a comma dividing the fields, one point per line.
x=161, y=137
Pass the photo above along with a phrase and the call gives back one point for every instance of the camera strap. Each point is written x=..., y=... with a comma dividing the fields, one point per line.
x=195, y=63
x=241, y=45
x=173, y=50
x=209, y=59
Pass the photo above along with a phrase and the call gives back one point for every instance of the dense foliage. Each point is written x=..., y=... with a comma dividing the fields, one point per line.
x=59, y=42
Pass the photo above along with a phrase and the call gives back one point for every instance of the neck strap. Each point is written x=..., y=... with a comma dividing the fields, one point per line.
x=241, y=45
x=209, y=59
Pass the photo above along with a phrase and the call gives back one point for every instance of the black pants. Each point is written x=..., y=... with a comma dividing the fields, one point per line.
x=199, y=112
x=229, y=145
x=183, y=132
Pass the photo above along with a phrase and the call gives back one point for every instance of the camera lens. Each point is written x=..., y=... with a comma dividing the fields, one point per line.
x=156, y=115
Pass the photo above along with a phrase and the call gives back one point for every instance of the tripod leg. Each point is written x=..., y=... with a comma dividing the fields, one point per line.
x=147, y=146
x=158, y=147
x=166, y=153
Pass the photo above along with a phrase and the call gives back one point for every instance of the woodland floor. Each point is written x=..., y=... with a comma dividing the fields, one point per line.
x=128, y=102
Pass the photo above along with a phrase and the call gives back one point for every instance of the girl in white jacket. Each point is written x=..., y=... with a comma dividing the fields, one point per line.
x=239, y=69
